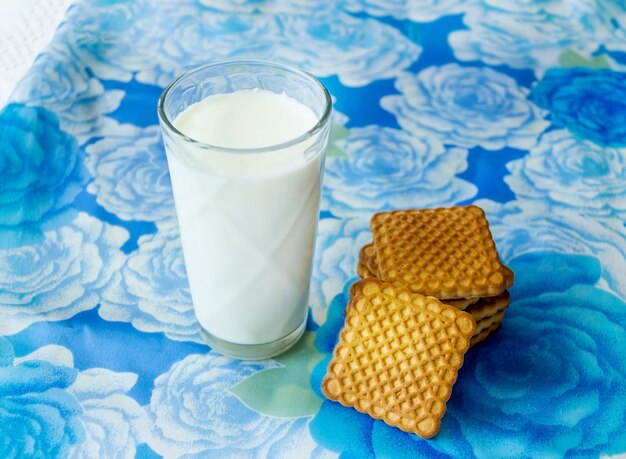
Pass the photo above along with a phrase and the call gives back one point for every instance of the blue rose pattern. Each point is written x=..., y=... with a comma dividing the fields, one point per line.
x=565, y=172
x=386, y=168
x=59, y=277
x=616, y=40
x=264, y=6
x=359, y=51
x=160, y=39
x=112, y=20
x=151, y=290
x=128, y=168
x=114, y=423
x=561, y=348
x=61, y=84
x=192, y=412
x=466, y=107
x=415, y=10
x=189, y=40
x=532, y=34
x=518, y=225
x=425, y=90
x=38, y=417
x=589, y=103
x=83, y=414
x=42, y=171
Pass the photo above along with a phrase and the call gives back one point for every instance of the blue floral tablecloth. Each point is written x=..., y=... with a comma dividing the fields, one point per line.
x=517, y=106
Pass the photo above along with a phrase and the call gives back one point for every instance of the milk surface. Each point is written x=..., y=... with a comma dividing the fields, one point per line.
x=247, y=219
x=248, y=118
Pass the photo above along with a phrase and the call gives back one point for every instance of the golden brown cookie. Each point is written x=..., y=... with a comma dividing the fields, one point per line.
x=487, y=312
x=367, y=257
x=367, y=267
x=363, y=271
x=488, y=322
x=489, y=306
x=443, y=252
x=460, y=303
x=484, y=334
x=509, y=276
x=398, y=356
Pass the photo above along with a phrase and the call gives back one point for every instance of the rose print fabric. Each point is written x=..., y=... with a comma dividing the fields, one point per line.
x=518, y=107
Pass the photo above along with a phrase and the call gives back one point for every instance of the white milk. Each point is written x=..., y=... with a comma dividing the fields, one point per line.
x=247, y=219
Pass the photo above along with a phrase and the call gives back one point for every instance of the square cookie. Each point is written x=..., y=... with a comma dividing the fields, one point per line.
x=444, y=252
x=398, y=356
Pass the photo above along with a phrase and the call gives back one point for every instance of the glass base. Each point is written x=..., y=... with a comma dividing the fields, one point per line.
x=254, y=351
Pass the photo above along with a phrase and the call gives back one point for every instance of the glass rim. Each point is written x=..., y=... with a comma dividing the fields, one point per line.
x=321, y=122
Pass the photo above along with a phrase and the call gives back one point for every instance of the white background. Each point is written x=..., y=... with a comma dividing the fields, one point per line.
x=26, y=27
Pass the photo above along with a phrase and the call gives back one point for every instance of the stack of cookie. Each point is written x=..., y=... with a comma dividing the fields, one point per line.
x=447, y=253
x=432, y=285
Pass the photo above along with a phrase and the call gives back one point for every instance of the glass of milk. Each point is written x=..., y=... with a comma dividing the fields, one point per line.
x=245, y=144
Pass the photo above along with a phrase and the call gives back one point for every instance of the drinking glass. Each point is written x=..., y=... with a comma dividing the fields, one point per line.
x=247, y=216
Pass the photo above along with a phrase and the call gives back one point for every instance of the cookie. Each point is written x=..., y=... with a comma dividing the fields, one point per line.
x=367, y=267
x=367, y=256
x=484, y=334
x=460, y=303
x=488, y=322
x=443, y=252
x=398, y=356
x=486, y=311
x=363, y=271
x=489, y=306
x=509, y=276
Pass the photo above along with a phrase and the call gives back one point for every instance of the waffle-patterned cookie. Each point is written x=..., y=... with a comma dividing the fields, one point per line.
x=509, y=276
x=367, y=256
x=368, y=267
x=398, y=356
x=488, y=322
x=460, y=303
x=363, y=272
x=443, y=252
x=489, y=306
x=488, y=312
x=484, y=334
